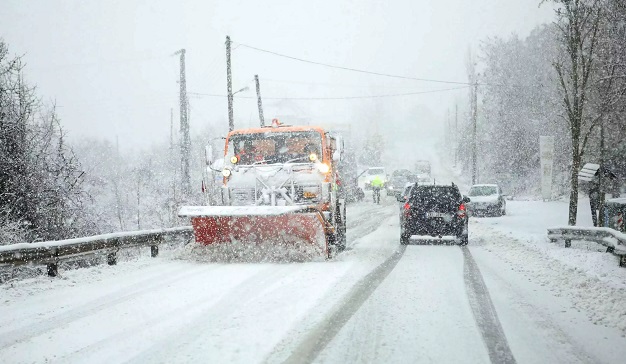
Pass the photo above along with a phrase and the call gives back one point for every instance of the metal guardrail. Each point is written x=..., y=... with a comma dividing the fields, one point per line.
x=613, y=240
x=52, y=252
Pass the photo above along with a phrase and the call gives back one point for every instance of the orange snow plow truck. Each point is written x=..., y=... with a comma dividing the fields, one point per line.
x=279, y=189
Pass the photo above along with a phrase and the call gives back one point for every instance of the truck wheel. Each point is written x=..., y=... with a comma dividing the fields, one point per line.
x=341, y=228
x=332, y=249
x=341, y=241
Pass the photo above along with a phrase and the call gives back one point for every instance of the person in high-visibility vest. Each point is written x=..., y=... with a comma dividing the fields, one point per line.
x=377, y=185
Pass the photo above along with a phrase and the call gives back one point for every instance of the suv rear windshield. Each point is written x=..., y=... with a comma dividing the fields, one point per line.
x=483, y=191
x=435, y=198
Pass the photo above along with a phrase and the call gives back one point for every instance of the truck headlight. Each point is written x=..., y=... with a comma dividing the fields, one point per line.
x=226, y=172
x=323, y=168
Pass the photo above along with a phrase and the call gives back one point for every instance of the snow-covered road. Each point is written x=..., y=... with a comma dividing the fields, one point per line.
x=496, y=301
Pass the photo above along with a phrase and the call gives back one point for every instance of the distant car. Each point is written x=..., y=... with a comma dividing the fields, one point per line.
x=425, y=180
x=487, y=199
x=437, y=211
x=422, y=167
x=351, y=191
x=397, y=182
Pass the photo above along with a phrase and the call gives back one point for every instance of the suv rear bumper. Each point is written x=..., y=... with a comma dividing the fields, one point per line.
x=434, y=228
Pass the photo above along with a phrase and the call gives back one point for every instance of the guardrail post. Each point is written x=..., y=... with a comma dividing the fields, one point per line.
x=52, y=269
x=112, y=258
x=154, y=249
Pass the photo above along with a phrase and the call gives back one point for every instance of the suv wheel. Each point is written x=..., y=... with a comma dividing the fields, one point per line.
x=463, y=240
x=404, y=238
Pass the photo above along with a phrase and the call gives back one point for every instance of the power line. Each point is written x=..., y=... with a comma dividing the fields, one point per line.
x=299, y=82
x=352, y=69
x=336, y=98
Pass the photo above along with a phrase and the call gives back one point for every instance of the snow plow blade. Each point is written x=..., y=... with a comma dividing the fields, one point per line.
x=298, y=227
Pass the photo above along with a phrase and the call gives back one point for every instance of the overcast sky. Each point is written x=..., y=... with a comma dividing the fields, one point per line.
x=109, y=66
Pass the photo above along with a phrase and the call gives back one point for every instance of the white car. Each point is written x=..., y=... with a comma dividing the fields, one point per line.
x=370, y=174
x=486, y=199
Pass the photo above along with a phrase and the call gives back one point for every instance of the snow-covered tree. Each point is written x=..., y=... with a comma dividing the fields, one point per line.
x=41, y=195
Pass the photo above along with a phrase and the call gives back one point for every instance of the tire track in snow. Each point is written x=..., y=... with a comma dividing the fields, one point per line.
x=541, y=319
x=367, y=222
x=120, y=338
x=323, y=333
x=210, y=317
x=12, y=337
x=485, y=313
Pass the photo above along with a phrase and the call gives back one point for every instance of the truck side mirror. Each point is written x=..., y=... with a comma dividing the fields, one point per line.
x=208, y=155
x=217, y=165
x=337, y=156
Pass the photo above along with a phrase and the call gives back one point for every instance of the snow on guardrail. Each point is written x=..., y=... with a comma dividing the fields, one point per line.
x=613, y=240
x=51, y=252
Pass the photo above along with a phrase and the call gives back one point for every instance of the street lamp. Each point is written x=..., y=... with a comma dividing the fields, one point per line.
x=243, y=89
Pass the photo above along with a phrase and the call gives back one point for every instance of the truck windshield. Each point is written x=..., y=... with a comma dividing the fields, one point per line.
x=274, y=147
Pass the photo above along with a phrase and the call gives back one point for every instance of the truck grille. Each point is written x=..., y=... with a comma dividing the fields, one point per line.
x=308, y=194
x=304, y=194
x=242, y=196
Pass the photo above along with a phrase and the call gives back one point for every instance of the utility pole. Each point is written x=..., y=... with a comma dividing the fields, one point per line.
x=448, y=128
x=258, y=96
x=171, y=129
x=229, y=87
x=474, y=143
x=185, y=141
x=456, y=132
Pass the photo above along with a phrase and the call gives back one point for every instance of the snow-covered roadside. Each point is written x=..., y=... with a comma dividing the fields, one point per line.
x=590, y=279
x=543, y=323
x=527, y=222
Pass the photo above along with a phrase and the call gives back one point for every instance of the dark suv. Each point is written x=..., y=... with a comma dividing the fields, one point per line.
x=435, y=211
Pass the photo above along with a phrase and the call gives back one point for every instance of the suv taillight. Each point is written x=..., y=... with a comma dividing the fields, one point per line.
x=461, y=212
x=407, y=207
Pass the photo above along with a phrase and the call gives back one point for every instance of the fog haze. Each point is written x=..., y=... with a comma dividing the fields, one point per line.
x=109, y=65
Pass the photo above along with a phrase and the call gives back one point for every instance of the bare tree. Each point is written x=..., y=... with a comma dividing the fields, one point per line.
x=578, y=23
